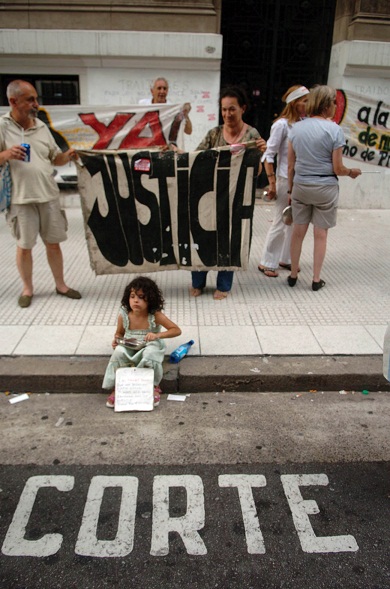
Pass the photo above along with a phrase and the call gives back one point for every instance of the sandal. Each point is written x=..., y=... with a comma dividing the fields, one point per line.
x=292, y=281
x=219, y=295
x=287, y=266
x=157, y=393
x=317, y=285
x=195, y=292
x=270, y=272
x=111, y=400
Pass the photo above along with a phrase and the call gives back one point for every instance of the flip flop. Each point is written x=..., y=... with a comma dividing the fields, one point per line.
x=270, y=272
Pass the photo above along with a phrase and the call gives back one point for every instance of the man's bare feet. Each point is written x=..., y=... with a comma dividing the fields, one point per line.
x=195, y=292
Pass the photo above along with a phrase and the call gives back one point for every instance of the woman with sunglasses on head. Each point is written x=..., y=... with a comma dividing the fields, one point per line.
x=314, y=163
x=276, y=251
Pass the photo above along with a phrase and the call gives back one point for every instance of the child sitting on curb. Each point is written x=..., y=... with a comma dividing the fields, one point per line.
x=140, y=317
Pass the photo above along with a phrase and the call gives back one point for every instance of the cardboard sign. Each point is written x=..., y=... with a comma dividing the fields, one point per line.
x=134, y=389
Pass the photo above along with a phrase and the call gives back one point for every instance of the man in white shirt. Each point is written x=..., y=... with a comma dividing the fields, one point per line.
x=159, y=91
x=35, y=203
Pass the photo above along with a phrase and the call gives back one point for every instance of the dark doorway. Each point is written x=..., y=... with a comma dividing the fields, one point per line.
x=269, y=45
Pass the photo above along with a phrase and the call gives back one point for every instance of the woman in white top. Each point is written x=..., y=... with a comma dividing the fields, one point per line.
x=314, y=162
x=276, y=251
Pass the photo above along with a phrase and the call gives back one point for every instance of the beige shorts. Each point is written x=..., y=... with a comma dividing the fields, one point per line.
x=45, y=219
x=315, y=203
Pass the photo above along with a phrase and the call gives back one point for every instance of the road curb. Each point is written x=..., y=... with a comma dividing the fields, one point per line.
x=84, y=374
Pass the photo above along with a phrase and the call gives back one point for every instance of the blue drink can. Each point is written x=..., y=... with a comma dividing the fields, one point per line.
x=27, y=148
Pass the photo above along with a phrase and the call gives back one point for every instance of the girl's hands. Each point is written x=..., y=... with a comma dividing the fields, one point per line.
x=150, y=337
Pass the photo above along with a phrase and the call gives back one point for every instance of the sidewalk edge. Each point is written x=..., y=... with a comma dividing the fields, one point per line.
x=194, y=374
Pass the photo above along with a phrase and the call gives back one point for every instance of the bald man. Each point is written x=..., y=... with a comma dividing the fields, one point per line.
x=35, y=203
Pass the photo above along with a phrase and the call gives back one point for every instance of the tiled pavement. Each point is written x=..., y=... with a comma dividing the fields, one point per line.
x=261, y=316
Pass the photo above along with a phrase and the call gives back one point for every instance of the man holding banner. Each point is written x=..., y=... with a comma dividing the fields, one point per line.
x=159, y=90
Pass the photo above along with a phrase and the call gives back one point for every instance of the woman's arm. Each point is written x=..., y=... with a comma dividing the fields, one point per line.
x=188, y=124
x=291, y=166
x=210, y=140
x=172, y=330
x=339, y=168
x=270, y=171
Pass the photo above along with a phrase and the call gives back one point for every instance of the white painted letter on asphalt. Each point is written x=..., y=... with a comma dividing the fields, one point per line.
x=187, y=525
x=300, y=509
x=244, y=484
x=15, y=544
x=87, y=543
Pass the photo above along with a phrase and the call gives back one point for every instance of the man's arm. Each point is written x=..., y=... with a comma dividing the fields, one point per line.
x=65, y=157
x=16, y=152
x=188, y=124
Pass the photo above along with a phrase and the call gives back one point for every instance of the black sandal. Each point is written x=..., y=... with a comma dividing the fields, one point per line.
x=318, y=285
x=292, y=281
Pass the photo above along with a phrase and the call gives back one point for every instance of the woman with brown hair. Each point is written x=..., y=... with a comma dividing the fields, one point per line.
x=233, y=103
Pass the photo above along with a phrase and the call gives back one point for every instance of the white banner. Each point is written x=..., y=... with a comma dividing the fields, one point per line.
x=365, y=123
x=114, y=127
x=148, y=211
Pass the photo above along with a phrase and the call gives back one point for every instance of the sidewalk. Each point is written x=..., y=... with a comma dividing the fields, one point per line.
x=262, y=317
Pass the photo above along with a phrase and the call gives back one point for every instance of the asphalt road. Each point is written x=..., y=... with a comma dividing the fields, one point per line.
x=224, y=490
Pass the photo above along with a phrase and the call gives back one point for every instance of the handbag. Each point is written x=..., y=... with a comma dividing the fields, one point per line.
x=5, y=187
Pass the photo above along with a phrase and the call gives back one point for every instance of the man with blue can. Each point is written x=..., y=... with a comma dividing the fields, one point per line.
x=27, y=144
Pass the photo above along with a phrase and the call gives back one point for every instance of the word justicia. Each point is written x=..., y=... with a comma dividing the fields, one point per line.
x=170, y=210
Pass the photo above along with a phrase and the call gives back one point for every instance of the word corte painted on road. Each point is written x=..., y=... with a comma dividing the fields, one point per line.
x=187, y=526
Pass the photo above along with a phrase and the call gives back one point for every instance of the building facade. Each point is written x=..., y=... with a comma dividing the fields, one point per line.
x=359, y=64
x=109, y=53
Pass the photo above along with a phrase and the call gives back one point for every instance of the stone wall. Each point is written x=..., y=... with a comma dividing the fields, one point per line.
x=197, y=16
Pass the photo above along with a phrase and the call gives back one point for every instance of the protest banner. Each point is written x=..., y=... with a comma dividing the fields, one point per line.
x=147, y=211
x=365, y=124
x=113, y=127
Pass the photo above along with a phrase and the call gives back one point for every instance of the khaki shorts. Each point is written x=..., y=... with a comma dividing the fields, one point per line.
x=315, y=203
x=45, y=219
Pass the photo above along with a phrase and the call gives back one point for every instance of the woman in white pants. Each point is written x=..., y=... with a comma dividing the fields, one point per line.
x=276, y=251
